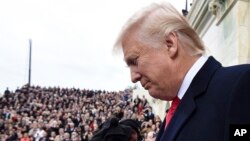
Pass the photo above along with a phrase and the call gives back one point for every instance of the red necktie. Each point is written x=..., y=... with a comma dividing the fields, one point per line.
x=172, y=109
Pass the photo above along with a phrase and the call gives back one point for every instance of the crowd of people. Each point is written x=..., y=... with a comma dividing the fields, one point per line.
x=63, y=114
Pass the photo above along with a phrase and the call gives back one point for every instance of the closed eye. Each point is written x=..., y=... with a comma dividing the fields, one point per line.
x=132, y=61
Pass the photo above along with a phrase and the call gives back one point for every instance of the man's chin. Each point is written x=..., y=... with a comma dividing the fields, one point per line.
x=154, y=94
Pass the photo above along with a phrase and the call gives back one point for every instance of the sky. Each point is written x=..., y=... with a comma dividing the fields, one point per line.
x=72, y=42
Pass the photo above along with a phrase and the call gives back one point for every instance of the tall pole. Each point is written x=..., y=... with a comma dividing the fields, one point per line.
x=30, y=47
x=185, y=11
x=186, y=5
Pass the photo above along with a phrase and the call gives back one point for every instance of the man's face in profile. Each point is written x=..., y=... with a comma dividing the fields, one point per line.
x=152, y=67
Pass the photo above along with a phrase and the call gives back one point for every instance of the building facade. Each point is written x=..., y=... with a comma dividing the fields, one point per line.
x=224, y=27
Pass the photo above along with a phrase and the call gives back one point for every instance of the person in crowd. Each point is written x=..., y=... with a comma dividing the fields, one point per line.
x=52, y=136
x=148, y=114
x=66, y=137
x=7, y=91
x=151, y=136
x=59, y=137
x=25, y=137
x=168, y=58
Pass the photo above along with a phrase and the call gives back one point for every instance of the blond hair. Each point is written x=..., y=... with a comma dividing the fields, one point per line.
x=152, y=24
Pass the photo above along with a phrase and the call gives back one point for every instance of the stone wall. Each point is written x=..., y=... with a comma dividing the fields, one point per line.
x=226, y=32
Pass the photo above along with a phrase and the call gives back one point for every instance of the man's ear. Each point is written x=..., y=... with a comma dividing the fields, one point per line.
x=171, y=44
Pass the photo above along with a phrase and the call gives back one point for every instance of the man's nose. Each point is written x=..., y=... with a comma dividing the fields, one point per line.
x=135, y=75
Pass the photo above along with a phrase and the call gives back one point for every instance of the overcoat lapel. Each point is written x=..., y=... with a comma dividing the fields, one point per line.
x=188, y=105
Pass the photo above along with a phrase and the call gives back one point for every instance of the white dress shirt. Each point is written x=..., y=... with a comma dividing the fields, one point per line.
x=190, y=75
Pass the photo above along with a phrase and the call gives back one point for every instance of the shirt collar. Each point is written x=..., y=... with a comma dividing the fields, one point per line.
x=190, y=75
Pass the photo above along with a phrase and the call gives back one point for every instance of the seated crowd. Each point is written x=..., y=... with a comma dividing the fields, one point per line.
x=63, y=114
